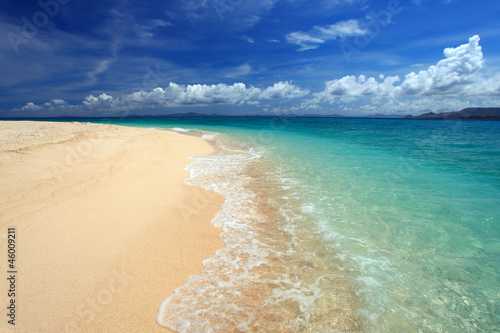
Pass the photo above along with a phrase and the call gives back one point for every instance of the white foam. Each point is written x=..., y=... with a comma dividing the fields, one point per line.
x=308, y=209
x=208, y=136
x=179, y=129
x=240, y=285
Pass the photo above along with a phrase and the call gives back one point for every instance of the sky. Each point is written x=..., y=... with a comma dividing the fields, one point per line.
x=349, y=57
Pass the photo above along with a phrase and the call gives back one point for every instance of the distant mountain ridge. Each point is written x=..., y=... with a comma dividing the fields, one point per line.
x=468, y=113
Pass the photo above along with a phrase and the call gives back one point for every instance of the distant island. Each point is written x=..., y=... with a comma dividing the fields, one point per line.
x=468, y=113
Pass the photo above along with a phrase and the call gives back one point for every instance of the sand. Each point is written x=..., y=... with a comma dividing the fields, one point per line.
x=105, y=226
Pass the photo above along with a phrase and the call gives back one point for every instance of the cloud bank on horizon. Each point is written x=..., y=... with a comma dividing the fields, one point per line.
x=459, y=74
x=176, y=95
x=265, y=56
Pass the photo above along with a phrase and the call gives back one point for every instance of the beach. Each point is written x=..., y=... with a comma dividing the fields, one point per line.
x=105, y=227
x=348, y=225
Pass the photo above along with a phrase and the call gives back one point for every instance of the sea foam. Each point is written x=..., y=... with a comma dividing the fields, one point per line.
x=272, y=275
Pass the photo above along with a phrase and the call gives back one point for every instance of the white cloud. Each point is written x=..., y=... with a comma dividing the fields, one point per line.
x=458, y=75
x=202, y=94
x=240, y=71
x=247, y=39
x=197, y=94
x=320, y=34
x=342, y=29
x=54, y=104
x=451, y=76
x=176, y=95
x=101, y=67
x=102, y=101
x=304, y=40
x=360, y=86
x=282, y=90
x=31, y=107
x=459, y=80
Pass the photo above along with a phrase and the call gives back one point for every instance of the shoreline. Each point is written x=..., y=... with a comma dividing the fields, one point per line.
x=275, y=272
x=107, y=227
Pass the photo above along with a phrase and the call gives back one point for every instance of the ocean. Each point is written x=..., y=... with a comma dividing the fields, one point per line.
x=336, y=225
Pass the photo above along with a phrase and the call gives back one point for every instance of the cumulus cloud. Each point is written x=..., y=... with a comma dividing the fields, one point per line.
x=202, y=94
x=320, y=34
x=31, y=107
x=282, y=90
x=459, y=74
x=102, y=101
x=360, y=86
x=450, y=76
x=196, y=94
x=176, y=95
x=52, y=105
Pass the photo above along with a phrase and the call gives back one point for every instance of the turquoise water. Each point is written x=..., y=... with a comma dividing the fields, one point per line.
x=347, y=225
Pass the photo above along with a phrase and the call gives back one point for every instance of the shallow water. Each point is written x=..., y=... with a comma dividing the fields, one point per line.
x=272, y=274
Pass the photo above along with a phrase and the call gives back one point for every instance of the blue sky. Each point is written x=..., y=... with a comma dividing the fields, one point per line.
x=349, y=57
